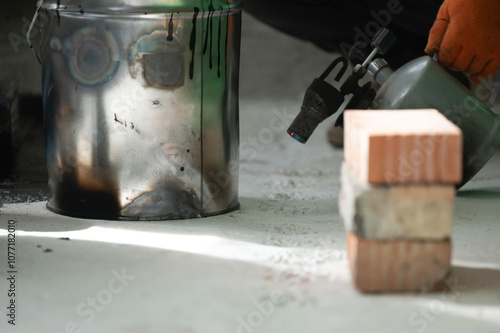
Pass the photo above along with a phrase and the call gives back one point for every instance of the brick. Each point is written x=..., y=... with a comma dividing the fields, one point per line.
x=402, y=146
x=398, y=266
x=390, y=212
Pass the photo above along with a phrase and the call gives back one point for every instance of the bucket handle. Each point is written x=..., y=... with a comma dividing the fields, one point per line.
x=494, y=91
x=28, y=39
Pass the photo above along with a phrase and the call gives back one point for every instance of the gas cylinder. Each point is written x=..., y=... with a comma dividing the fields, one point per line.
x=423, y=83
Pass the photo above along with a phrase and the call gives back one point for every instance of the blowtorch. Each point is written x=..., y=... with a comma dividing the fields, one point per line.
x=419, y=84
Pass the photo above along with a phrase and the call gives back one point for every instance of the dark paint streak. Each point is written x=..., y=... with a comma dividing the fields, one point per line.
x=205, y=44
x=192, y=42
x=218, y=43
x=170, y=29
x=58, y=14
x=227, y=39
x=211, y=11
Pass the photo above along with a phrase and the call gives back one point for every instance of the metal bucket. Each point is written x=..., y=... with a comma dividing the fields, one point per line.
x=141, y=107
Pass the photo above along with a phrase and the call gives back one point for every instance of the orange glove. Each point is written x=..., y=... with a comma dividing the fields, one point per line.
x=466, y=36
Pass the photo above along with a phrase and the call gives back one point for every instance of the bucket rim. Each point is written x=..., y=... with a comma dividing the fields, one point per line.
x=120, y=7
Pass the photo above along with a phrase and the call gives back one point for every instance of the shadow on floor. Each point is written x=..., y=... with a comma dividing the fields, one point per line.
x=485, y=193
x=474, y=286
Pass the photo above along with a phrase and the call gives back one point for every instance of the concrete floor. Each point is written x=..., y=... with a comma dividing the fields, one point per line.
x=276, y=265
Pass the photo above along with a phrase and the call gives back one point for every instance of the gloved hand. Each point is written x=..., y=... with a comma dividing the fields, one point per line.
x=466, y=36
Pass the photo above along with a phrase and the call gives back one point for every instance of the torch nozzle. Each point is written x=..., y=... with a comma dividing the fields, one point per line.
x=321, y=100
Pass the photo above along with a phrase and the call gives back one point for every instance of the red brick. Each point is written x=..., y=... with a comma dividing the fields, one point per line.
x=397, y=266
x=402, y=146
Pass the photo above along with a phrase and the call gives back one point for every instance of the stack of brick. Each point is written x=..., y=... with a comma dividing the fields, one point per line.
x=397, y=197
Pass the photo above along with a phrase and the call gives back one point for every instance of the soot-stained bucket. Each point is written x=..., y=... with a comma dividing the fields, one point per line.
x=141, y=107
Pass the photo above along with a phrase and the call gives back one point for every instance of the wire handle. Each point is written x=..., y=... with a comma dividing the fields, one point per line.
x=28, y=39
x=494, y=91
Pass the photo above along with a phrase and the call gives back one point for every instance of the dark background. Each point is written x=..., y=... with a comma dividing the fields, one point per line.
x=22, y=148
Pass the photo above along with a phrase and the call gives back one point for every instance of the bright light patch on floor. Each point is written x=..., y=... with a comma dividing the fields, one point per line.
x=197, y=244
x=213, y=246
x=440, y=307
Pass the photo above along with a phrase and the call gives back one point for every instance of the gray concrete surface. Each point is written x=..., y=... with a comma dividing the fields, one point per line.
x=276, y=265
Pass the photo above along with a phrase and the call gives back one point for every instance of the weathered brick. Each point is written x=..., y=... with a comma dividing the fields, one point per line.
x=397, y=266
x=402, y=146
x=389, y=212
